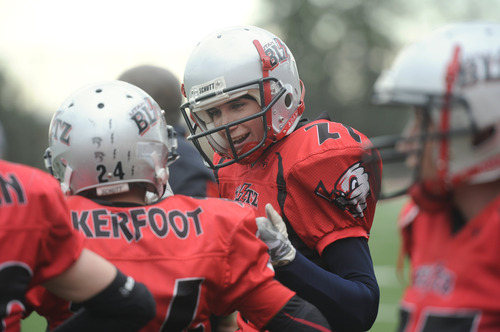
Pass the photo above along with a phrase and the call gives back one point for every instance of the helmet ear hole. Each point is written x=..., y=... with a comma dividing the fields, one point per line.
x=483, y=135
x=288, y=100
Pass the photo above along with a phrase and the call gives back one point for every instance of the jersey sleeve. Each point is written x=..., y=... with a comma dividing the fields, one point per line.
x=332, y=193
x=249, y=282
x=62, y=245
x=405, y=225
x=36, y=239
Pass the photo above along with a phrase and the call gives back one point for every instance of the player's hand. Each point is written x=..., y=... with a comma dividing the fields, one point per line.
x=272, y=230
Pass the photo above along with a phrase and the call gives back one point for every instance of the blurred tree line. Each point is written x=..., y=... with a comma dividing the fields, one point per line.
x=339, y=51
x=341, y=46
x=24, y=133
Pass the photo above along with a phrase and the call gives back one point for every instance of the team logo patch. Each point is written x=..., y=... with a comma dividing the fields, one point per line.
x=350, y=192
x=434, y=278
x=247, y=195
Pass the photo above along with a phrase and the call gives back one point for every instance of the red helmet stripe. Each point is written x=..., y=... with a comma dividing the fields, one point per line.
x=451, y=76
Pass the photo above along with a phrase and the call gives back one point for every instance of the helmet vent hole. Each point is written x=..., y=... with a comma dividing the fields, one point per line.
x=129, y=96
x=100, y=105
x=483, y=135
x=71, y=105
x=98, y=91
x=288, y=100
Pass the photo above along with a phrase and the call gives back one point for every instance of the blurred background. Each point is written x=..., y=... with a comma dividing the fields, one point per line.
x=50, y=48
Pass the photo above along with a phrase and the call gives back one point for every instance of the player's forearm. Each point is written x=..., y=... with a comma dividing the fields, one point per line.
x=347, y=304
x=299, y=316
x=125, y=305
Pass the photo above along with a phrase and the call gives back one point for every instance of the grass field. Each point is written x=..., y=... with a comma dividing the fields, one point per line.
x=384, y=245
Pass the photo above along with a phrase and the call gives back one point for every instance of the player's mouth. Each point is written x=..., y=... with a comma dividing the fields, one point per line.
x=239, y=140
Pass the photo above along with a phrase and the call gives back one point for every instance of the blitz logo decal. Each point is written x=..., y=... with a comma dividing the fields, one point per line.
x=276, y=51
x=60, y=131
x=244, y=194
x=145, y=115
x=350, y=192
x=480, y=67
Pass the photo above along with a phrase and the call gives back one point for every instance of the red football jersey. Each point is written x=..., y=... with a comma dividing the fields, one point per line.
x=455, y=278
x=321, y=178
x=197, y=256
x=37, y=242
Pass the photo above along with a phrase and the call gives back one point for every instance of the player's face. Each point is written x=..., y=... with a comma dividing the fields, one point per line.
x=415, y=128
x=243, y=133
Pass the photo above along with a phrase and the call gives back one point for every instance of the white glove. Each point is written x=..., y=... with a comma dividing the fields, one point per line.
x=272, y=230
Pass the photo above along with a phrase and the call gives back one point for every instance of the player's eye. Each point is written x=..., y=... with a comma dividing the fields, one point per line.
x=213, y=113
x=237, y=105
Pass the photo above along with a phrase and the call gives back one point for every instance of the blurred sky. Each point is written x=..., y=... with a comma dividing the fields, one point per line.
x=52, y=47
x=49, y=48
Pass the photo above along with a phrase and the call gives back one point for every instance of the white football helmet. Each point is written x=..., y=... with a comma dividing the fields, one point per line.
x=453, y=76
x=234, y=62
x=108, y=135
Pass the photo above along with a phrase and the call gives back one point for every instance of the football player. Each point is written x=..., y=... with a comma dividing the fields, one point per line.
x=245, y=97
x=109, y=145
x=38, y=246
x=450, y=226
x=188, y=175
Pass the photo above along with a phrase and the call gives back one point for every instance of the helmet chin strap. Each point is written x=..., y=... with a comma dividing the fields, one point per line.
x=65, y=184
x=161, y=173
x=47, y=159
x=442, y=183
